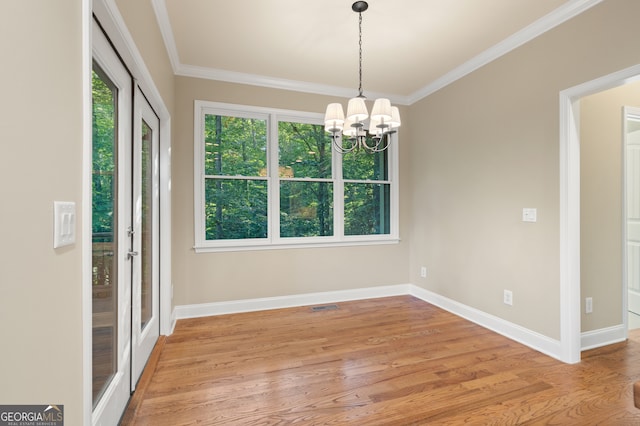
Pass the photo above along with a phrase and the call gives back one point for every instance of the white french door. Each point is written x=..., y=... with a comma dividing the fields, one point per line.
x=125, y=232
x=145, y=320
x=111, y=219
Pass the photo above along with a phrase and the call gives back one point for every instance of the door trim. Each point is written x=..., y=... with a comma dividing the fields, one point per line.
x=570, y=205
x=627, y=112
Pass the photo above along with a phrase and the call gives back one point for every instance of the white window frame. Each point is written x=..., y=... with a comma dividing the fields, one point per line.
x=273, y=240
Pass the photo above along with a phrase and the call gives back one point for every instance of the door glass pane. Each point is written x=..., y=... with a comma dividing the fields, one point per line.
x=104, y=241
x=146, y=298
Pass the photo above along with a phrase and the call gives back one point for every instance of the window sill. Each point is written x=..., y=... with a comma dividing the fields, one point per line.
x=288, y=246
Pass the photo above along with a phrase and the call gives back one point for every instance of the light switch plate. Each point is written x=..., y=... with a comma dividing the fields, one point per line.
x=64, y=223
x=529, y=215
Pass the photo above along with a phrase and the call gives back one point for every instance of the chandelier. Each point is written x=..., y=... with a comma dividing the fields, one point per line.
x=354, y=131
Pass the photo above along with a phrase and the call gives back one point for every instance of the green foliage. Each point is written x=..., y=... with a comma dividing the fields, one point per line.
x=362, y=165
x=235, y=146
x=306, y=208
x=235, y=209
x=366, y=209
x=304, y=150
x=236, y=189
x=104, y=157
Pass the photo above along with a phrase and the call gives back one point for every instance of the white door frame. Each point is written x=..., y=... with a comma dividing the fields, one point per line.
x=112, y=22
x=570, y=205
x=627, y=112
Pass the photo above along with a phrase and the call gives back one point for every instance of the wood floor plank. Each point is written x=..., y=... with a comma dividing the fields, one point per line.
x=389, y=361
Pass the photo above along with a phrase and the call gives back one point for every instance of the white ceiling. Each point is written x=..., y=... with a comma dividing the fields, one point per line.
x=411, y=48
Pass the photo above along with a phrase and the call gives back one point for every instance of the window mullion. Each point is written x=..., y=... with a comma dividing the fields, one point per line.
x=394, y=175
x=338, y=195
x=274, y=179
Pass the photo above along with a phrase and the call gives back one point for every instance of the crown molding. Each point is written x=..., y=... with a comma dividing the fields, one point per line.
x=539, y=27
x=160, y=9
x=279, y=83
x=562, y=14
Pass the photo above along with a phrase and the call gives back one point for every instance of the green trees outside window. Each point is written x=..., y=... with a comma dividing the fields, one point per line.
x=235, y=185
x=306, y=183
x=104, y=158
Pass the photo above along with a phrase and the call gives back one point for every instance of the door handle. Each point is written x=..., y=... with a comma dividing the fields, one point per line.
x=131, y=254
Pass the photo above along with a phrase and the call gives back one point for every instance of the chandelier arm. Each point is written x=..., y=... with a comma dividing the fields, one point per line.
x=386, y=145
x=340, y=148
x=372, y=147
x=387, y=141
x=377, y=147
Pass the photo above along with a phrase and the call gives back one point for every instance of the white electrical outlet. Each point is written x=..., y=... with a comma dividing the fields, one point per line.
x=588, y=305
x=423, y=272
x=508, y=297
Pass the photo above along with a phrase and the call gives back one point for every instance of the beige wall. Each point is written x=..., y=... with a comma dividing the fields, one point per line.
x=488, y=145
x=143, y=26
x=601, y=144
x=216, y=277
x=41, y=161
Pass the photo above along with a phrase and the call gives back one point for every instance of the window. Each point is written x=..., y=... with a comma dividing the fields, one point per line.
x=267, y=178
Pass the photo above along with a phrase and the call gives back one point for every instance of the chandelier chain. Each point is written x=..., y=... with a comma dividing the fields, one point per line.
x=360, y=53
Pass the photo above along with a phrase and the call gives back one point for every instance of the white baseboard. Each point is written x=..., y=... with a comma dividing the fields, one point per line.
x=251, y=305
x=515, y=332
x=602, y=337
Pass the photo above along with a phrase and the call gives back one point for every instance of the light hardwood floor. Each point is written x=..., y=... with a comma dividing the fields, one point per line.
x=391, y=361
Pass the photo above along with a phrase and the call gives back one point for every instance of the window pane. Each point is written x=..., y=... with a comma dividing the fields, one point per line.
x=366, y=209
x=235, y=209
x=104, y=243
x=306, y=209
x=305, y=151
x=361, y=165
x=235, y=146
x=146, y=257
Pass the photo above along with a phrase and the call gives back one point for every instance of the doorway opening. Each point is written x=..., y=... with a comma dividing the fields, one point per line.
x=570, y=288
